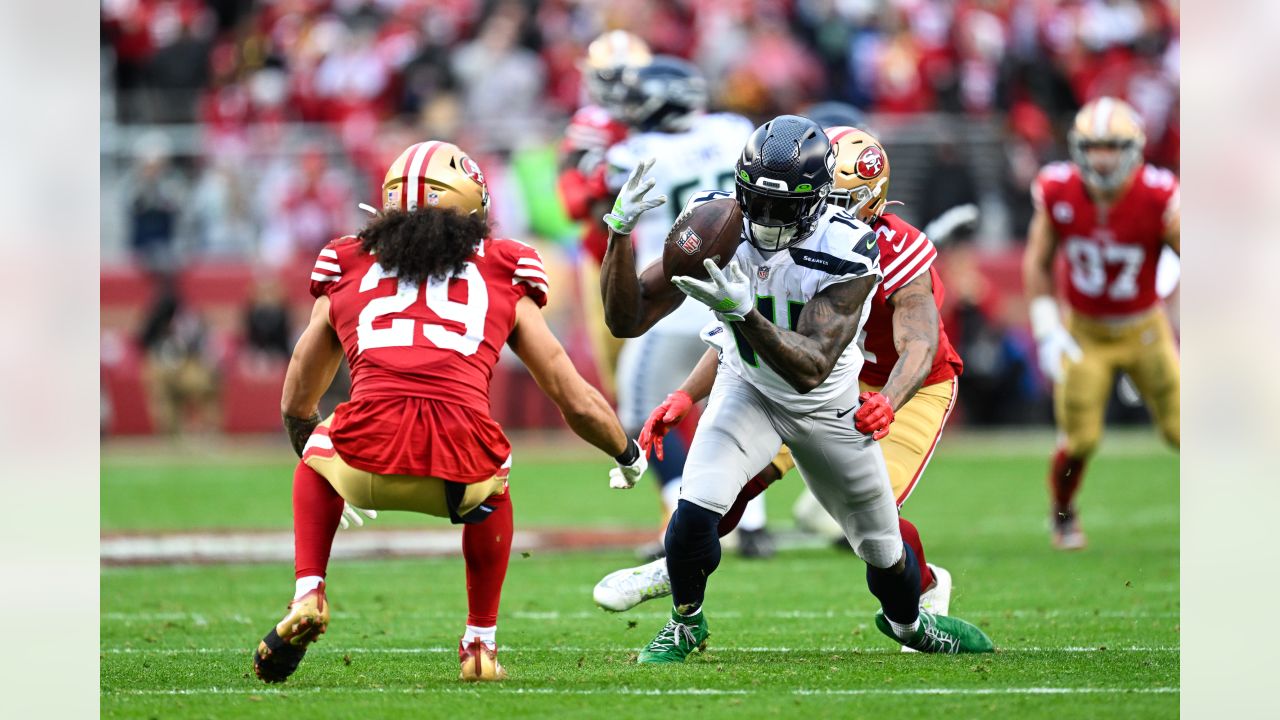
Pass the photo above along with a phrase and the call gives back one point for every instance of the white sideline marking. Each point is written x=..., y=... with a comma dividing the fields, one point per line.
x=662, y=692
x=517, y=649
x=549, y=615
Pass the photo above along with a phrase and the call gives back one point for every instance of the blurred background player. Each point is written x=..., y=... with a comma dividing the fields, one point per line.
x=421, y=303
x=908, y=379
x=664, y=103
x=1111, y=215
x=593, y=129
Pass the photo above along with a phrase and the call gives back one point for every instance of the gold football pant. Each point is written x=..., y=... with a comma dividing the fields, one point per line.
x=373, y=491
x=915, y=432
x=912, y=437
x=1142, y=347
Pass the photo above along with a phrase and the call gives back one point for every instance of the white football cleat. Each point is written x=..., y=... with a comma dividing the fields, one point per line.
x=624, y=589
x=937, y=599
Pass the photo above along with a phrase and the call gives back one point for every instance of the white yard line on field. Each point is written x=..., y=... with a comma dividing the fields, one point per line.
x=571, y=649
x=556, y=615
x=660, y=692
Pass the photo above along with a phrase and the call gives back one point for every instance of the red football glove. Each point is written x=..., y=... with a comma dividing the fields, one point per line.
x=874, y=415
x=663, y=418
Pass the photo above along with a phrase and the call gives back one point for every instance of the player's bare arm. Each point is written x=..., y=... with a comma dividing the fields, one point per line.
x=698, y=384
x=584, y=409
x=1173, y=231
x=915, y=335
x=315, y=361
x=805, y=358
x=1037, y=260
x=633, y=303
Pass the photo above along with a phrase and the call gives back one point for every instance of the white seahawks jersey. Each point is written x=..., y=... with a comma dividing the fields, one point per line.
x=840, y=248
x=704, y=156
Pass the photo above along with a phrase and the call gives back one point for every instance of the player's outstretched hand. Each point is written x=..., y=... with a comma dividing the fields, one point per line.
x=631, y=467
x=664, y=417
x=351, y=515
x=874, y=415
x=730, y=295
x=630, y=203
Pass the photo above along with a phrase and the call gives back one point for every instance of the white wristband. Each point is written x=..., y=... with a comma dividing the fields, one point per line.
x=1045, y=319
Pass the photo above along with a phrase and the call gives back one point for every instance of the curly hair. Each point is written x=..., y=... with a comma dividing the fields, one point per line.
x=427, y=242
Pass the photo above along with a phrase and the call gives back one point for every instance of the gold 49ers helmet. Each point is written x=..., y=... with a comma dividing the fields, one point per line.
x=607, y=56
x=1107, y=124
x=435, y=174
x=862, y=172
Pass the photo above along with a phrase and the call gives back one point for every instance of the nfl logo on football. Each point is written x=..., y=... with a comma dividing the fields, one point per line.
x=689, y=241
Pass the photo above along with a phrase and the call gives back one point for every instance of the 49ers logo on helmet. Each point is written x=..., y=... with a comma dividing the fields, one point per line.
x=472, y=170
x=870, y=163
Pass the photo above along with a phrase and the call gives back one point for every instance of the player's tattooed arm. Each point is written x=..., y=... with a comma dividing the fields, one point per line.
x=315, y=361
x=805, y=358
x=633, y=302
x=915, y=335
x=300, y=429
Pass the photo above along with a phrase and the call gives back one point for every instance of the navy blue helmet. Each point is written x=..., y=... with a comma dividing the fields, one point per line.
x=783, y=177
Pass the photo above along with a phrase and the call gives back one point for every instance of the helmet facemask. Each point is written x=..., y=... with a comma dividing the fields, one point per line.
x=1130, y=156
x=776, y=220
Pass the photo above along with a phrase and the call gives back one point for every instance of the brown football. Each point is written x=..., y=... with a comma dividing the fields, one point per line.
x=711, y=229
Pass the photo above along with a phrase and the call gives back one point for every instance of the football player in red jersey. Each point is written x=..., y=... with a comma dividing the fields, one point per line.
x=1111, y=215
x=421, y=303
x=908, y=379
x=592, y=130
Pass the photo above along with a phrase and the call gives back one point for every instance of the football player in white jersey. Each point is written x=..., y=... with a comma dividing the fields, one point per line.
x=790, y=303
x=664, y=104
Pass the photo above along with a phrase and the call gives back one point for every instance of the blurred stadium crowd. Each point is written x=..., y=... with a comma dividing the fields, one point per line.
x=239, y=135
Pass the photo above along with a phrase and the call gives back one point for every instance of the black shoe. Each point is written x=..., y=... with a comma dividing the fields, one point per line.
x=756, y=544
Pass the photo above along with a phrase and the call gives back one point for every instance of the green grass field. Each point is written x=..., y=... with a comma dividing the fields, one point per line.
x=1092, y=635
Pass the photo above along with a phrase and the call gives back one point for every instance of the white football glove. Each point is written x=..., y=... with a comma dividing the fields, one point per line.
x=625, y=477
x=1053, y=341
x=351, y=516
x=729, y=295
x=630, y=204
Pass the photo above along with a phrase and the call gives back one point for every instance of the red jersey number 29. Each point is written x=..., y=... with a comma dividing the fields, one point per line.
x=1090, y=261
x=401, y=333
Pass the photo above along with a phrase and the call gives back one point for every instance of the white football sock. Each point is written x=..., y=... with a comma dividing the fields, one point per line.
x=486, y=635
x=904, y=632
x=753, y=515
x=306, y=584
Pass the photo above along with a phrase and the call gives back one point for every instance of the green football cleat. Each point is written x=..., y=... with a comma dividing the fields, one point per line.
x=941, y=634
x=676, y=640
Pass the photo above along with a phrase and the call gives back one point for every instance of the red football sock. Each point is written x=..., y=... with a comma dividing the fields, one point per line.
x=911, y=536
x=1065, y=476
x=317, y=508
x=486, y=546
x=749, y=492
